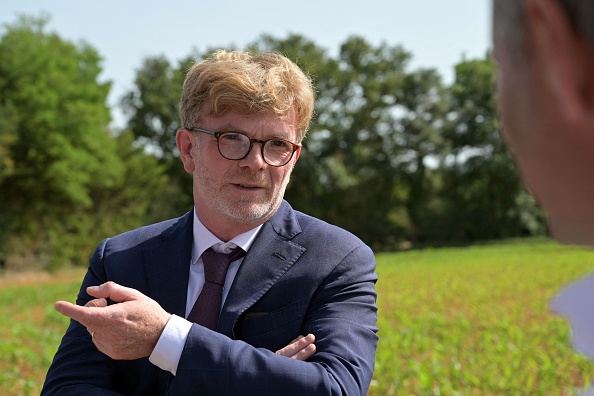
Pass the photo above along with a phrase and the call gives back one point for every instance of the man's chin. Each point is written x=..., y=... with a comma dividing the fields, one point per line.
x=250, y=213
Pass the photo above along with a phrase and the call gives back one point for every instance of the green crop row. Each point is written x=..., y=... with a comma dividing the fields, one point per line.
x=475, y=321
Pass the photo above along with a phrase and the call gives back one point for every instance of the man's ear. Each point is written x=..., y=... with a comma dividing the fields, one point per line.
x=296, y=157
x=185, y=141
x=297, y=154
x=559, y=55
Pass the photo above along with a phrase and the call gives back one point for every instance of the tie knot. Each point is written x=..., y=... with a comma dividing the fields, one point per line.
x=217, y=264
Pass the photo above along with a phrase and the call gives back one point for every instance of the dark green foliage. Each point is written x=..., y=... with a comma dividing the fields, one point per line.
x=152, y=109
x=396, y=156
x=481, y=190
x=63, y=180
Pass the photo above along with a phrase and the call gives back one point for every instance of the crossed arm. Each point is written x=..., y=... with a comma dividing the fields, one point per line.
x=337, y=306
x=130, y=330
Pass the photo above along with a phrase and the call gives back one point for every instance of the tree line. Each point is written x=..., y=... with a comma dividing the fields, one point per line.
x=394, y=155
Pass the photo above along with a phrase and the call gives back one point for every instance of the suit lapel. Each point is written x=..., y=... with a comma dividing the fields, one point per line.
x=167, y=266
x=271, y=255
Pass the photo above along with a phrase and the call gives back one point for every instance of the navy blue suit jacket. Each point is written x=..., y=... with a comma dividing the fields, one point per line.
x=300, y=276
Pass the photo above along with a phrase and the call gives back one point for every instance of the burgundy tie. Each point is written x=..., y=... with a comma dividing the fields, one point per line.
x=207, y=308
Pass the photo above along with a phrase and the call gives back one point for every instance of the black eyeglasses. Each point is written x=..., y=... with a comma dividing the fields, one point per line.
x=237, y=146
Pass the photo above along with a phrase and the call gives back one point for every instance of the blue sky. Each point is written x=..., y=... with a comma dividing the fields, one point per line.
x=438, y=33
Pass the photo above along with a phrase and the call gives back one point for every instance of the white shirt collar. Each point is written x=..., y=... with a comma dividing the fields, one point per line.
x=203, y=239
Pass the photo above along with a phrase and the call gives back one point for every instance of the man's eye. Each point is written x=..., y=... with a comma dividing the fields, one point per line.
x=232, y=136
x=279, y=143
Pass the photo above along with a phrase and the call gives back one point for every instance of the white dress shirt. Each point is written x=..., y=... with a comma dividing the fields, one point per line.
x=170, y=345
x=576, y=303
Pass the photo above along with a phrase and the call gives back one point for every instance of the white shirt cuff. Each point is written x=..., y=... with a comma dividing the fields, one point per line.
x=170, y=346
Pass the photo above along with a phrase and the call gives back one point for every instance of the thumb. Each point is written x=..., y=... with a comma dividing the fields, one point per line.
x=113, y=291
x=99, y=302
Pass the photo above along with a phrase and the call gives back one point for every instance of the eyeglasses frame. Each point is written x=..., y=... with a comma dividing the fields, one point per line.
x=217, y=135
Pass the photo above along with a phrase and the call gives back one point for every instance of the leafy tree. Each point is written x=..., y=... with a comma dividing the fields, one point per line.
x=152, y=109
x=116, y=209
x=483, y=195
x=57, y=155
x=422, y=105
x=54, y=140
x=152, y=106
x=365, y=141
x=376, y=125
x=392, y=155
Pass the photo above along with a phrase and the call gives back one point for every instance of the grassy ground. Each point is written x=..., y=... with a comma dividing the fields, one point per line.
x=475, y=321
x=30, y=329
x=463, y=321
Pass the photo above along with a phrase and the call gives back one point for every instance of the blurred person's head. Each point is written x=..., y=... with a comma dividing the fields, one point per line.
x=545, y=55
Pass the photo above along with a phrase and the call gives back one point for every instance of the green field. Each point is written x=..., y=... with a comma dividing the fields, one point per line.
x=456, y=321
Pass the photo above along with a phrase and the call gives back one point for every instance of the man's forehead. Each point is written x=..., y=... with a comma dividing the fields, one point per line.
x=269, y=122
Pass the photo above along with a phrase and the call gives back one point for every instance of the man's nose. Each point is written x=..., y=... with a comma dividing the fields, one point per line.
x=255, y=158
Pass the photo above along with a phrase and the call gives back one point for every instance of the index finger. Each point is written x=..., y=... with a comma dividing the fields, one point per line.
x=83, y=315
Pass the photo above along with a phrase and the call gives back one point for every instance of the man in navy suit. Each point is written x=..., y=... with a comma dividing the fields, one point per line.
x=243, y=118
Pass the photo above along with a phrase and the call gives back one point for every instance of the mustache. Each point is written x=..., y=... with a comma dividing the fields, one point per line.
x=247, y=177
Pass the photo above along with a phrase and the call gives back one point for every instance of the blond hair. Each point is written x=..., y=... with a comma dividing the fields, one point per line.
x=249, y=83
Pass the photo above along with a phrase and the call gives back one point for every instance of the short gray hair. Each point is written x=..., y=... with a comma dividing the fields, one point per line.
x=581, y=16
x=509, y=22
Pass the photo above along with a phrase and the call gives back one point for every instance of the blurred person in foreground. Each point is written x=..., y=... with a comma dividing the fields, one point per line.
x=243, y=118
x=545, y=55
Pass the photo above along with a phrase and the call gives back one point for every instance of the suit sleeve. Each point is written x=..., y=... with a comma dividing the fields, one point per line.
x=75, y=368
x=342, y=315
x=79, y=368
